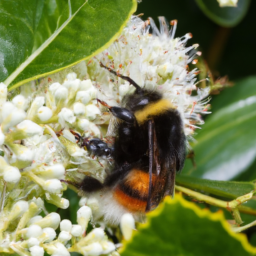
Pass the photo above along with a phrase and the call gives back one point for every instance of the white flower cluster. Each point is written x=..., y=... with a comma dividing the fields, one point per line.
x=38, y=146
x=35, y=234
x=154, y=60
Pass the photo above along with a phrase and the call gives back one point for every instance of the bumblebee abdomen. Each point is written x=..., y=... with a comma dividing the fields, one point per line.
x=132, y=192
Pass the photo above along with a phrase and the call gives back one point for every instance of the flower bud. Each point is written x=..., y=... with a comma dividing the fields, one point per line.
x=53, y=186
x=92, y=111
x=33, y=241
x=48, y=235
x=36, y=250
x=33, y=231
x=19, y=101
x=76, y=230
x=86, y=85
x=56, y=171
x=67, y=115
x=127, y=225
x=65, y=225
x=11, y=174
x=64, y=236
x=2, y=137
x=44, y=113
x=7, y=108
x=15, y=116
x=83, y=216
x=83, y=96
x=93, y=249
x=64, y=203
x=61, y=93
x=53, y=87
x=34, y=219
x=51, y=220
x=71, y=76
x=79, y=108
x=30, y=128
x=83, y=201
x=95, y=131
x=57, y=249
x=107, y=247
x=83, y=124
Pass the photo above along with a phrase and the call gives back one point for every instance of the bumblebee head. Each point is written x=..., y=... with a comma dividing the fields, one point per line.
x=140, y=99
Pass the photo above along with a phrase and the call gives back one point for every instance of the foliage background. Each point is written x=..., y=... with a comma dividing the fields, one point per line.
x=228, y=48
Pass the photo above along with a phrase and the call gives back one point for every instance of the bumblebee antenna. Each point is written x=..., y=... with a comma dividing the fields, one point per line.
x=128, y=79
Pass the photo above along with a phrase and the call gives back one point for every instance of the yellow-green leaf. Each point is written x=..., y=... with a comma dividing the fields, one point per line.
x=180, y=228
x=40, y=37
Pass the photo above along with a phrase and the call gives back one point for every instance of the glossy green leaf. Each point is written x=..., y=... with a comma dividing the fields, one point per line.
x=179, y=227
x=227, y=189
x=41, y=37
x=224, y=16
x=226, y=144
x=242, y=89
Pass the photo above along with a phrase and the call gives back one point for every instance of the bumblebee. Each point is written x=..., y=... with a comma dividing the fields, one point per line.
x=149, y=148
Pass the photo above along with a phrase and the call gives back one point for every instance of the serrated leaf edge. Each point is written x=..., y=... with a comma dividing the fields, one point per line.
x=133, y=9
x=202, y=213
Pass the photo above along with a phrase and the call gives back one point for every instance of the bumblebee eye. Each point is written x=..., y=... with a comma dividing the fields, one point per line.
x=143, y=102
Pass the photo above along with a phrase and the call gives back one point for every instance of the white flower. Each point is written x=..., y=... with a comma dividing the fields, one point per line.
x=92, y=111
x=53, y=186
x=53, y=87
x=66, y=115
x=61, y=93
x=30, y=128
x=79, y=109
x=19, y=101
x=127, y=225
x=2, y=137
x=107, y=247
x=76, y=230
x=55, y=171
x=64, y=236
x=33, y=241
x=83, y=216
x=34, y=231
x=44, y=113
x=71, y=76
x=57, y=249
x=51, y=220
x=36, y=250
x=83, y=124
x=83, y=96
x=225, y=3
x=48, y=235
x=12, y=174
x=66, y=225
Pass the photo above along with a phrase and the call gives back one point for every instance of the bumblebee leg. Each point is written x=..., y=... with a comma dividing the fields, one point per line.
x=120, y=113
x=97, y=147
x=90, y=184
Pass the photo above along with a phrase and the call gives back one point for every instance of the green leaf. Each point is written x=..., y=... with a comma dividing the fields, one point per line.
x=224, y=16
x=41, y=37
x=227, y=189
x=243, y=89
x=226, y=144
x=179, y=227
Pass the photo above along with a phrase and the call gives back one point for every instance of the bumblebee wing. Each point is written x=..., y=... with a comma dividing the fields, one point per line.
x=151, y=153
x=161, y=173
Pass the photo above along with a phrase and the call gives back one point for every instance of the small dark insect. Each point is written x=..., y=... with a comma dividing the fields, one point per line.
x=150, y=146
